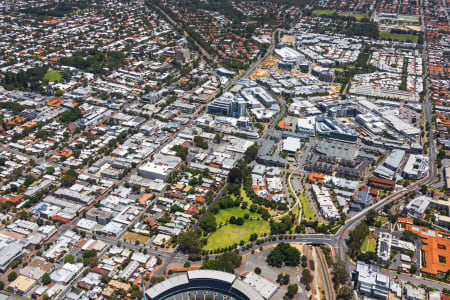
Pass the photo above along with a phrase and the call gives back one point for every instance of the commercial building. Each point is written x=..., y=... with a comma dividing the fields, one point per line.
x=416, y=207
x=335, y=129
x=388, y=168
x=384, y=247
x=386, y=242
x=361, y=200
x=151, y=170
x=21, y=285
x=339, y=108
x=11, y=252
x=291, y=145
x=435, y=245
x=325, y=203
x=324, y=74
x=160, y=168
x=37, y=268
x=66, y=273
x=184, y=107
x=225, y=72
x=307, y=126
x=100, y=216
x=370, y=282
x=259, y=94
x=228, y=105
x=260, y=284
x=416, y=167
x=414, y=293
x=381, y=183
x=289, y=53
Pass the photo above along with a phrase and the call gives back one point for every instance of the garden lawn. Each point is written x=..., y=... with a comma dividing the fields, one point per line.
x=307, y=212
x=225, y=214
x=53, y=76
x=398, y=36
x=368, y=245
x=232, y=234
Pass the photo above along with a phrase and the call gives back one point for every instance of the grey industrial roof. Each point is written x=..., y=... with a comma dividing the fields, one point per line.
x=247, y=290
x=166, y=285
x=395, y=158
x=211, y=274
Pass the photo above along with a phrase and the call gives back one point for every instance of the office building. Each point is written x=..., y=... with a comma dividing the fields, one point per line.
x=384, y=247
x=416, y=208
x=370, y=282
x=228, y=105
x=416, y=167
x=335, y=129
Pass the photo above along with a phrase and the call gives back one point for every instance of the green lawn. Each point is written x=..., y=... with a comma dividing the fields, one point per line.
x=368, y=245
x=322, y=12
x=398, y=37
x=53, y=75
x=225, y=214
x=307, y=211
x=232, y=234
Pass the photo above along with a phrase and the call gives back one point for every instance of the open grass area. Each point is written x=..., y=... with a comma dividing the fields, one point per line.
x=244, y=196
x=53, y=75
x=398, y=37
x=307, y=211
x=322, y=12
x=225, y=214
x=232, y=234
x=368, y=245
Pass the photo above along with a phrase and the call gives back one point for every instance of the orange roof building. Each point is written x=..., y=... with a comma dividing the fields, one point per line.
x=282, y=125
x=316, y=177
x=405, y=220
x=66, y=152
x=55, y=102
x=435, y=248
x=200, y=199
x=12, y=199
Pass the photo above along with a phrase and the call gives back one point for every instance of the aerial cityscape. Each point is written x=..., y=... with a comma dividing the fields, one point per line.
x=225, y=150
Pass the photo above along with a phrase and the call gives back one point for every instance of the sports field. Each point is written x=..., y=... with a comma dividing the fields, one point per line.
x=322, y=12
x=398, y=37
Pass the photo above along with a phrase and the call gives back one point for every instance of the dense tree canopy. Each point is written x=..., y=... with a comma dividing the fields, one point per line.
x=281, y=227
x=357, y=237
x=208, y=223
x=71, y=115
x=283, y=254
x=189, y=242
x=226, y=262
